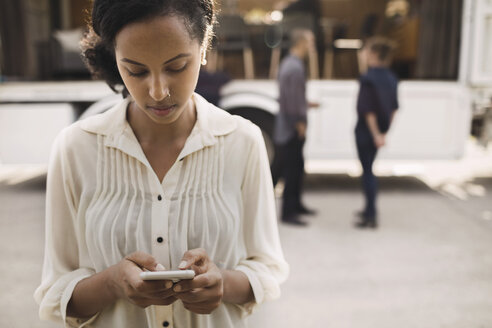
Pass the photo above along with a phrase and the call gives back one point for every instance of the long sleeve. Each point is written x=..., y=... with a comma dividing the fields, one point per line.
x=293, y=94
x=61, y=269
x=292, y=99
x=264, y=266
x=366, y=100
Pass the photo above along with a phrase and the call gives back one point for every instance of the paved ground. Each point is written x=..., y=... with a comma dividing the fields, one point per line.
x=429, y=265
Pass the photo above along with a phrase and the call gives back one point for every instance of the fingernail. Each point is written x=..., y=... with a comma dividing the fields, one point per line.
x=159, y=267
x=182, y=265
x=168, y=284
x=177, y=288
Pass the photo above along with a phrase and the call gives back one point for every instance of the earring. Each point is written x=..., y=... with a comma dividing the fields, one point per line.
x=204, y=61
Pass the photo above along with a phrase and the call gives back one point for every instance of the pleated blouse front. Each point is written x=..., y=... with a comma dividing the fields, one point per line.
x=104, y=201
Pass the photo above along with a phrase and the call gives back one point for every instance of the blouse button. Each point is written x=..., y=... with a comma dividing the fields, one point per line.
x=160, y=239
x=165, y=324
x=159, y=197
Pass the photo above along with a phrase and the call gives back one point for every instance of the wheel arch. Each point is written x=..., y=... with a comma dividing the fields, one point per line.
x=264, y=120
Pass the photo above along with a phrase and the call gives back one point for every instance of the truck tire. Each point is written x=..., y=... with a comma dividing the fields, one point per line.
x=264, y=120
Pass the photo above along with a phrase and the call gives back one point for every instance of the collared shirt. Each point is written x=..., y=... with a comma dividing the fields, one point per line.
x=292, y=98
x=377, y=94
x=104, y=201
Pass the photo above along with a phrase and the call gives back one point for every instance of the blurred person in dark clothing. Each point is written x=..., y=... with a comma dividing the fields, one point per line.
x=377, y=103
x=210, y=83
x=290, y=126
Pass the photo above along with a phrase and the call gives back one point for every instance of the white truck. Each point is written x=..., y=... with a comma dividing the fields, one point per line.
x=434, y=120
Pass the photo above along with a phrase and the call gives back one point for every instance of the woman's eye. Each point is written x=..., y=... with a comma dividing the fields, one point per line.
x=137, y=74
x=177, y=69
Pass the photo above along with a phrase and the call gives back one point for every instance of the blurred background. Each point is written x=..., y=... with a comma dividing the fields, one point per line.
x=430, y=263
x=40, y=38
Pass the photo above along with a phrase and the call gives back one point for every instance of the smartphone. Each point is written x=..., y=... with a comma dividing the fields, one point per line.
x=175, y=275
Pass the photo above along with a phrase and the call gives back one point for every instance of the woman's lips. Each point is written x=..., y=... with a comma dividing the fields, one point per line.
x=161, y=110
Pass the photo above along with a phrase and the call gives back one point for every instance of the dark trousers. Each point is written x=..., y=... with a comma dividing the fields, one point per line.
x=367, y=151
x=288, y=163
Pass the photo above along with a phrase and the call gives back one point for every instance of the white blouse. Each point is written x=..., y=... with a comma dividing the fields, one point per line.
x=104, y=201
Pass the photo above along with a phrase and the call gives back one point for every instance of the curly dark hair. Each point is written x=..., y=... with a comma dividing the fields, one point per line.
x=110, y=16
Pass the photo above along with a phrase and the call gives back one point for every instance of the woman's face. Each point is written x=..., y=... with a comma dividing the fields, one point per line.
x=159, y=63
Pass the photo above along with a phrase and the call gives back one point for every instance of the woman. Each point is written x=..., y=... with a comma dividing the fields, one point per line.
x=377, y=103
x=164, y=180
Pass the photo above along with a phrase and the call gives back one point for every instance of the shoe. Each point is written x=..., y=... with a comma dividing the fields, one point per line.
x=366, y=221
x=294, y=220
x=360, y=214
x=306, y=211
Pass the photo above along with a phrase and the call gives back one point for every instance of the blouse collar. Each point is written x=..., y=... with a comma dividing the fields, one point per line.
x=211, y=123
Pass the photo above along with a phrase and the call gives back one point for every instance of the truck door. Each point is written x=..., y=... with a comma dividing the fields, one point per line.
x=476, y=70
x=478, y=56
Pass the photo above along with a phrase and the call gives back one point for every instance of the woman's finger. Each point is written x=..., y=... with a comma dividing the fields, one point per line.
x=161, y=293
x=153, y=287
x=201, y=295
x=143, y=260
x=201, y=308
x=196, y=296
x=204, y=280
x=195, y=257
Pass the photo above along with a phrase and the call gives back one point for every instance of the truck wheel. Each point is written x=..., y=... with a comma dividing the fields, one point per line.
x=270, y=147
x=264, y=121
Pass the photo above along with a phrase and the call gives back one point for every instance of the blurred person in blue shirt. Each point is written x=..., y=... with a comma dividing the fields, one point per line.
x=377, y=103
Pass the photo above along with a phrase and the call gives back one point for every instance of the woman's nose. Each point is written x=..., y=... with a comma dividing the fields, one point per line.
x=158, y=89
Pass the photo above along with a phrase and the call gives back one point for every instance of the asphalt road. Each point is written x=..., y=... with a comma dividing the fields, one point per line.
x=428, y=265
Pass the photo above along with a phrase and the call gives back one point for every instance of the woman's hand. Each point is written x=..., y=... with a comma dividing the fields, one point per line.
x=128, y=284
x=301, y=130
x=379, y=140
x=204, y=293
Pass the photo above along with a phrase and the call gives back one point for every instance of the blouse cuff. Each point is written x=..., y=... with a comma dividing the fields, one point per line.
x=54, y=299
x=65, y=298
x=258, y=292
